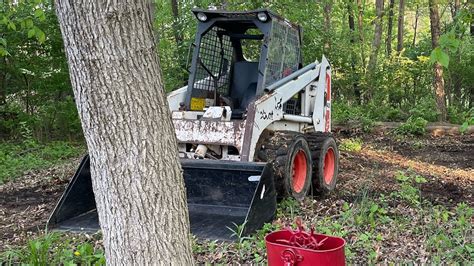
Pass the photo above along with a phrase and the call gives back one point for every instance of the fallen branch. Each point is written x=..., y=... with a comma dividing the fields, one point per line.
x=435, y=129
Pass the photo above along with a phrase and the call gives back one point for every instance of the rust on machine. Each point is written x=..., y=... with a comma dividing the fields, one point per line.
x=210, y=132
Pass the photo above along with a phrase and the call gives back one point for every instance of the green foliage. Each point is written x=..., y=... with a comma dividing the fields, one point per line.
x=413, y=126
x=354, y=145
x=438, y=55
x=38, y=91
x=449, y=234
x=344, y=113
x=468, y=120
x=54, y=249
x=409, y=191
x=447, y=42
x=17, y=158
x=289, y=206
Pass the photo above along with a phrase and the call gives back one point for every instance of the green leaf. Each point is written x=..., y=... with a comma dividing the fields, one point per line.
x=3, y=42
x=3, y=52
x=29, y=23
x=4, y=20
x=374, y=208
x=420, y=179
x=448, y=41
x=31, y=33
x=39, y=12
x=11, y=25
x=464, y=127
x=40, y=35
x=438, y=55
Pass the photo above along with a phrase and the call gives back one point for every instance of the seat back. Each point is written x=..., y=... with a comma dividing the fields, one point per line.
x=244, y=83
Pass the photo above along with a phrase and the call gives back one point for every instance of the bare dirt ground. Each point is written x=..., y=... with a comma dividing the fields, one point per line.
x=27, y=202
x=446, y=162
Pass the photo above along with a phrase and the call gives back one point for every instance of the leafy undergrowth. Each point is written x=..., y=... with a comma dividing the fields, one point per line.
x=397, y=201
x=57, y=249
x=376, y=228
x=18, y=158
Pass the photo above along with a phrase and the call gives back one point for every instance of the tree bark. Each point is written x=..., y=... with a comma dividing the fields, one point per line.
x=456, y=76
x=3, y=81
x=355, y=84
x=136, y=175
x=401, y=16
x=390, y=27
x=360, y=26
x=377, y=35
x=415, y=27
x=176, y=27
x=438, y=81
x=327, y=26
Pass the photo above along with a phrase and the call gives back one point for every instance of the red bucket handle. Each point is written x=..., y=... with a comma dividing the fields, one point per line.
x=290, y=257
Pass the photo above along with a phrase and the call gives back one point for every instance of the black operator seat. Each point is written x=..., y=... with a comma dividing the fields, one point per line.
x=244, y=84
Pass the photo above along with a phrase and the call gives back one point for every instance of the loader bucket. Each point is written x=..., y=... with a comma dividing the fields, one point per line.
x=221, y=194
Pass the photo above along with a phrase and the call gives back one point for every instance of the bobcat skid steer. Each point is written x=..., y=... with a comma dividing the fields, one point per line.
x=253, y=125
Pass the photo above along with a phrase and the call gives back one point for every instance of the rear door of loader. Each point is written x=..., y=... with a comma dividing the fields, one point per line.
x=221, y=194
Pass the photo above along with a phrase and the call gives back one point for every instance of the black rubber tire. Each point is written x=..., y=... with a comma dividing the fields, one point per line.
x=321, y=144
x=280, y=149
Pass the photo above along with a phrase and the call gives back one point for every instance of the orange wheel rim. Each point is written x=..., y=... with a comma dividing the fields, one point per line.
x=329, y=166
x=300, y=168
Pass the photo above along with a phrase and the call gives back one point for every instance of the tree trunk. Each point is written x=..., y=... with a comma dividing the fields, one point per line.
x=401, y=15
x=415, y=27
x=377, y=35
x=176, y=29
x=136, y=176
x=390, y=27
x=327, y=26
x=3, y=81
x=438, y=81
x=360, y=26
x=355, y=84
x=456, y=76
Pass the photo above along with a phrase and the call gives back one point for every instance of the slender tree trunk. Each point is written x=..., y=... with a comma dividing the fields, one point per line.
x=136, y=175
x=415, y=27
x=456, y=76
x=3, y=81
x=327, y=26
x=360, y=26
x=401, y=16
x=176, y=27
x=390, y=27
x=377, y=35
x=438, y=81
x=355, y=83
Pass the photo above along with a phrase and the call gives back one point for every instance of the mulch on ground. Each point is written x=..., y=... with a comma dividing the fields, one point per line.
x=446, y=163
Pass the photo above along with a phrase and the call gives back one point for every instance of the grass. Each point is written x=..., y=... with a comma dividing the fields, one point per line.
x=371, y=224
x=56, y=249
x=353, y=145
x=393, y=227
x=18, y=158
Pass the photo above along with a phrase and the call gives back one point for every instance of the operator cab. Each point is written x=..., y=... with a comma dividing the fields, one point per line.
x=236, y=55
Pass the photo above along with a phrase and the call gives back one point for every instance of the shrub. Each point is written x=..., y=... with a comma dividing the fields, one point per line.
x=354, y=145
x=413, y=126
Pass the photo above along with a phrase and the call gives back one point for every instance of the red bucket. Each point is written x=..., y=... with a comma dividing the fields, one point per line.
x=281, y=252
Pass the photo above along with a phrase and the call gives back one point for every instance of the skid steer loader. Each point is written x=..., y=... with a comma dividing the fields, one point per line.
x=253, y=125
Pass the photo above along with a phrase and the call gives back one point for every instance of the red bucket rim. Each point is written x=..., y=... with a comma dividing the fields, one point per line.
x=300, y=248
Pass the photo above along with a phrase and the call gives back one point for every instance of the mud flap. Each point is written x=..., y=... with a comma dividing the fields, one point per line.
x=221, y=194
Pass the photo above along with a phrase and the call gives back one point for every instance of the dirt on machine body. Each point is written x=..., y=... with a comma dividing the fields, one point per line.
x=253, y=125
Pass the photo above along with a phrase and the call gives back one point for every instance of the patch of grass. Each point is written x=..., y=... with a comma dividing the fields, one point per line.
x=409, y=191
x=17, y=158
x=370, y=223
x=353, y=145
x=55, y=249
